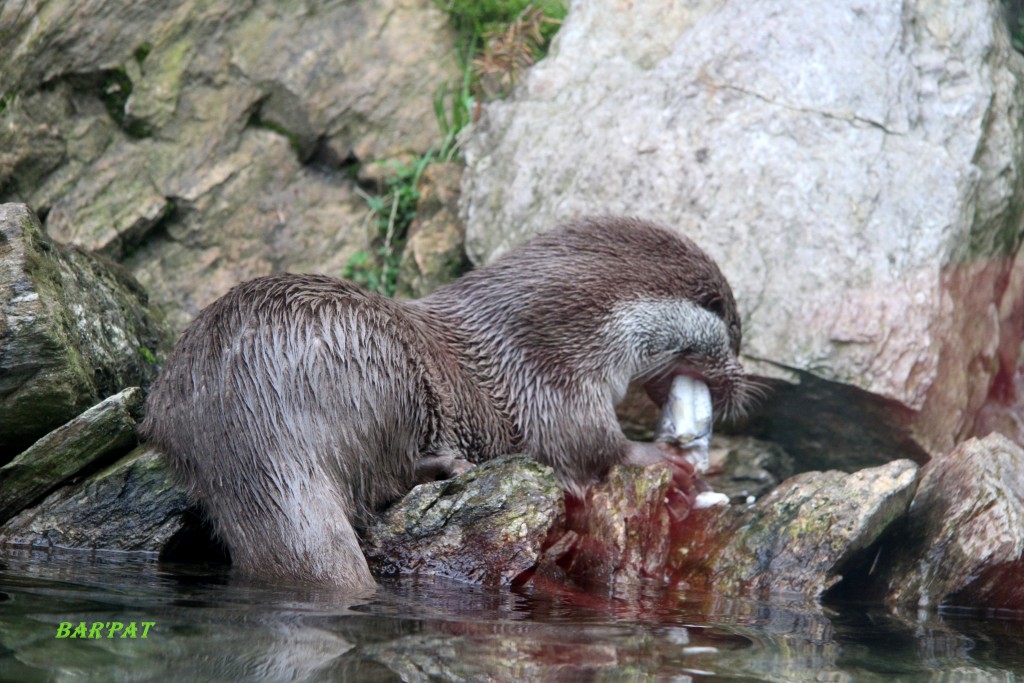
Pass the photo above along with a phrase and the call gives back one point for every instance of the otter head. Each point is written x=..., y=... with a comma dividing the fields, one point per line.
x=578, y=313
x=666, y=308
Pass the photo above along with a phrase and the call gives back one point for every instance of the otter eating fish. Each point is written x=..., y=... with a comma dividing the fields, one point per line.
x=296, y=405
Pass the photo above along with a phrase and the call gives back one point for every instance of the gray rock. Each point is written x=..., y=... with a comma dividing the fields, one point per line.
x=963, y=542
x=73, y=330
x=133, y=504
x=256, y=211
x=105, y=430
x=203, y=142
x=742, y=467
x=855, y=168
x=801, y=536
x=485, y=526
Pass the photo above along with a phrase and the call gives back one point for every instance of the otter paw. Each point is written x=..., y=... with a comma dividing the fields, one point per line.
x=436, y=467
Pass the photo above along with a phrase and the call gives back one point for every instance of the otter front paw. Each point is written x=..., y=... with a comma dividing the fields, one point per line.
x=435, y=467
x=683, y=472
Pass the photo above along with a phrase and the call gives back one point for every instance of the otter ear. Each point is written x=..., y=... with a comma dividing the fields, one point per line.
x=716, y=304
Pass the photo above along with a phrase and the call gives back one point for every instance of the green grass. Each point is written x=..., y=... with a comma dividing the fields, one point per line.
x=393, y=213
x=453, y=109
x=474, y=19
x=394, y=209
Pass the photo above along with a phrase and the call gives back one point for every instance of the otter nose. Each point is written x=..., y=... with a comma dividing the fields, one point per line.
x=686, y=419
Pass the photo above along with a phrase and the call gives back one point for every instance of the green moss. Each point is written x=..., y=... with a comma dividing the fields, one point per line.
x=117, y=88
x=147, y=355
x=142, y=51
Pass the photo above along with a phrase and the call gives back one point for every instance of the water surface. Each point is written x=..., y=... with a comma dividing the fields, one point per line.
x=208, y=626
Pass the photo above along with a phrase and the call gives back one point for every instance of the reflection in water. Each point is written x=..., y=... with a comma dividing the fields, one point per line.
x=212, y=628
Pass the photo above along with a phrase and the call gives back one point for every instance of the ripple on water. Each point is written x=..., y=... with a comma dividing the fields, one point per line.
x=210, y=627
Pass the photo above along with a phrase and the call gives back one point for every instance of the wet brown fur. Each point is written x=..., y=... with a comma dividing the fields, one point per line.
x=296, y=405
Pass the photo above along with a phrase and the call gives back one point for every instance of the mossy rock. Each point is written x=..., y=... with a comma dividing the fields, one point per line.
x=74, y=329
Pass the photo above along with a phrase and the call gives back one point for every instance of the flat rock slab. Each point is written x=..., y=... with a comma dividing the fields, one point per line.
x=100, y=432
x=964, y=538
x=132, y=505
x=485, y=526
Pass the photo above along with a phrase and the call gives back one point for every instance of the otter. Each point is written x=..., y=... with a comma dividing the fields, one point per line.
x=295, y=406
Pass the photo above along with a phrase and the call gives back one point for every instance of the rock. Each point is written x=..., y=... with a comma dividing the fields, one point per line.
x=800, y=537
x=435, y=251
x=963, y=541
x=205, y=143
x=620, y=535
x=485, y=526
x=73, y=330
x=887, y=271
x=132, y=505
x=743, y=467
x=269, y=214
x=107, y=429
x=826, y=425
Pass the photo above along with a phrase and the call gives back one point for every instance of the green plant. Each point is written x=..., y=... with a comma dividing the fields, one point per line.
x=454, y=107
x=497, y=39
x=147, y=355
x=477, y=18
x=116, y=89
x=393, y=212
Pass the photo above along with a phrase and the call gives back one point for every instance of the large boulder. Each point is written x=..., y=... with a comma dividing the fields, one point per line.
x=855, y=168
x=962, y=542
x=205, y=143
x=74, y=329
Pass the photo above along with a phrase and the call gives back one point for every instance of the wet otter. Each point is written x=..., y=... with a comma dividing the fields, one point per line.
x=296, y=405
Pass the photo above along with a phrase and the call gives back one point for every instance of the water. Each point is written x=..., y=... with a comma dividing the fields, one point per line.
x=209, y=627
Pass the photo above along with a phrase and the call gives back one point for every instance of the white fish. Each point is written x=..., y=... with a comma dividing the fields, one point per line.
x=687, y=419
